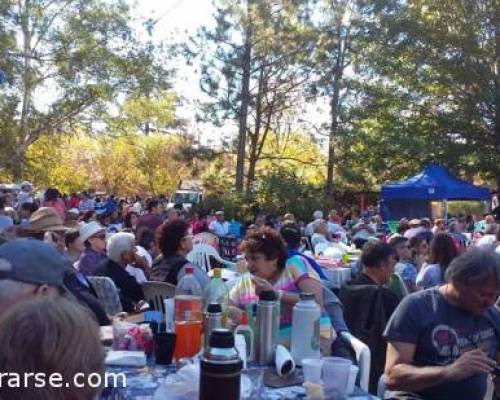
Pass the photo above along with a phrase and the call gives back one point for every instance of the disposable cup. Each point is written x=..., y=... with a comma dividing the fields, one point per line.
x=336, y=371
x=312, y=368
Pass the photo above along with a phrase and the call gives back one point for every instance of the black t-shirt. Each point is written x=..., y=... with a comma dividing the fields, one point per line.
x=391, y=301
x=442, y=332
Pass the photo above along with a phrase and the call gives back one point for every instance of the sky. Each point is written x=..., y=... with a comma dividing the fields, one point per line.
x=179, y=19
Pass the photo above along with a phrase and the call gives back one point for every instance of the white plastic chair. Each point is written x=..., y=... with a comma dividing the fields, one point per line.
x=200, y=256
x=363, y=357
x=206, y=238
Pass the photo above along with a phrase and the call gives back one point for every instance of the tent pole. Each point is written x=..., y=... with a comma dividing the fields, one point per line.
x=445, y=212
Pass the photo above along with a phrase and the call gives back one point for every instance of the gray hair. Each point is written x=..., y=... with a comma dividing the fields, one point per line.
x=117, y=244
x=474, y=267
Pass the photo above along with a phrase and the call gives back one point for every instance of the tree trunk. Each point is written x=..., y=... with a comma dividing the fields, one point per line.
x=496, y=70
x=17, y=164
x=245, y=100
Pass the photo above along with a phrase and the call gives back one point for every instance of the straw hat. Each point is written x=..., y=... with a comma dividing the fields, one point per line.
x=46, y=219
x=90, y=229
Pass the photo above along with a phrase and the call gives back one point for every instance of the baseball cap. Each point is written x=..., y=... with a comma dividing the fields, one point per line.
x=31, y=261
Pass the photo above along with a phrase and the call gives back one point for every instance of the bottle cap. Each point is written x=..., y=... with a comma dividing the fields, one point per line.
x=306, y=296
x=244, y=318
x=214, y=308
x=221, y=338
x=268, y=295
x=189, y=269
x=217, y=273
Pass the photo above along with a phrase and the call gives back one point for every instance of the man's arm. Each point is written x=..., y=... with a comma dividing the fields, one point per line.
x=402, y=375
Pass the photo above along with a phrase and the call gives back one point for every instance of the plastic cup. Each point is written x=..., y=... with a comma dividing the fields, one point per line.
x=164, y=347
x=336, y=371
x=312, y=368
x=351, y=382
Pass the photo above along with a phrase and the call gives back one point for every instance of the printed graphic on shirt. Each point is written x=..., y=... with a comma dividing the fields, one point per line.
x=450, y=344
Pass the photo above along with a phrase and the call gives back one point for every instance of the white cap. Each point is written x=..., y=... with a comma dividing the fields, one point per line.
x=89, y=230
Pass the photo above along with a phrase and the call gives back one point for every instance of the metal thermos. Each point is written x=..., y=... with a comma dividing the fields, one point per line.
x=220, y=368
x=268, y=322
x=213, y=320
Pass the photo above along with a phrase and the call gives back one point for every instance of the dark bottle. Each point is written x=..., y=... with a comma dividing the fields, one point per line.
x=220, y=368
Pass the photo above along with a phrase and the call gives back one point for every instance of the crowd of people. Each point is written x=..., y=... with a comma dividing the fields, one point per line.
x=422, y=298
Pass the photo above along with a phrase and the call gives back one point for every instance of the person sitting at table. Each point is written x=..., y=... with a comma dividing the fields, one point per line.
x=442, y=252
x=321, y=233
x=121, y=252
x=405, y=267
x=50, y=336
x=291, y=235
x=268, y=262
x=444, y=341
x=317, y=215
x=368, y=303
x=175, y=242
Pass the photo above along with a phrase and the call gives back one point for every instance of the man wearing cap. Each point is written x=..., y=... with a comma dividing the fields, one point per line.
x=415, y=229
x=93, y=236
x=219, y=227
x=30, y=267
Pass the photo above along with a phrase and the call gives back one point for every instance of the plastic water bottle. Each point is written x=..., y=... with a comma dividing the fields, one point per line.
x=305, y=329
x=216, y=292
x=188, y=316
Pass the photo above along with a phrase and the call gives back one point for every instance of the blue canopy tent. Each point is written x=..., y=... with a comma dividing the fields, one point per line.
x=412, y=197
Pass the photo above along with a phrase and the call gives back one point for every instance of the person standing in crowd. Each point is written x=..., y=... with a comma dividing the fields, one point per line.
x=73, y=201
x=173, y=214
x=219, y=227
x=405, y=267
x=25, y=195
x=121, y=252
x=442, y=253
x=130, y=222
x=444, y=341
x=416, y=229
x=52, y=198
x=49, y=337
x=93, y=236
x=175, y=243
x=151, y=219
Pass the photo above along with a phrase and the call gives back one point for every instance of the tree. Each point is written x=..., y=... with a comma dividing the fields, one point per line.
x=250, y=69
x=65, y=61
x=438, y=65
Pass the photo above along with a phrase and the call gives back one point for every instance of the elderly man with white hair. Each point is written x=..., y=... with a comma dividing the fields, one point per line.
x=121, y=251
x=317, y=215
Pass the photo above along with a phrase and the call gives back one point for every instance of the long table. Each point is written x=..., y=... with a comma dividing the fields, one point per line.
x=141, y=384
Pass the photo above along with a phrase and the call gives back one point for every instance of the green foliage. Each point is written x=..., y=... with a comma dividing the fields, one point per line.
x=66, y=62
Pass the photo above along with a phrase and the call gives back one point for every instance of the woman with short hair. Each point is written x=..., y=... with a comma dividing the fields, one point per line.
x=267, y=260
x=175, y=242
